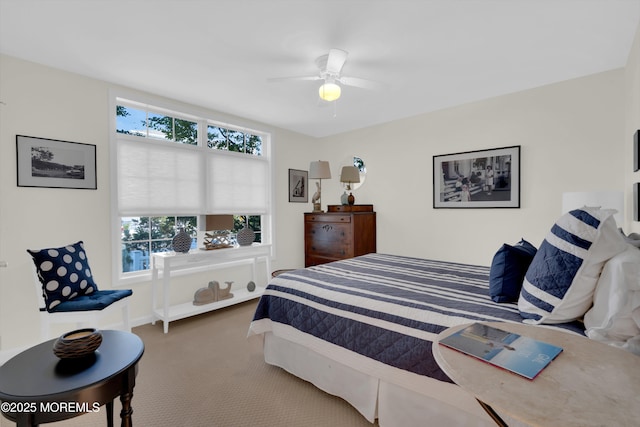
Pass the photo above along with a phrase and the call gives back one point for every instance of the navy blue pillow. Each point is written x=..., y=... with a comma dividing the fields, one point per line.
x=508, y=269
x=64, y=273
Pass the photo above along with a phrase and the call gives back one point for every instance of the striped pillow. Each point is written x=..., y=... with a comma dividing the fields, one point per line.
x=560, y=282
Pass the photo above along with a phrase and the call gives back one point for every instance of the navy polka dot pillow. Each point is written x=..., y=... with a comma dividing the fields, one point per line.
x=64, y=273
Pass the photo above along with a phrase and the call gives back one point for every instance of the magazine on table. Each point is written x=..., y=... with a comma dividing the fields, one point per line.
x=516, y=353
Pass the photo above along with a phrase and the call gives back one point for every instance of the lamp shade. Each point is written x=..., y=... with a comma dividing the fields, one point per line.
x=602, y=199
x=319, y=170
x=350, y=174
x=219, y=222
x=329, y=92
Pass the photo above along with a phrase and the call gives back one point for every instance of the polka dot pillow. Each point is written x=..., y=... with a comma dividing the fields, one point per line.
x=64, y=273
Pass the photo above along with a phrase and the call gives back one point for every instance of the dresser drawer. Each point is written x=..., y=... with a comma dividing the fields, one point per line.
x=328, y=239
x=328, y=218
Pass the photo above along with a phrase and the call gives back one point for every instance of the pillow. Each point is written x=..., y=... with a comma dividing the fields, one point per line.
x=615, y=316
x=508, y=268
x=559, y=284
x=64, y=273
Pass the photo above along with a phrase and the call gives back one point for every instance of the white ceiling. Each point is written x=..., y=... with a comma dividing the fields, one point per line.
x=431, y=54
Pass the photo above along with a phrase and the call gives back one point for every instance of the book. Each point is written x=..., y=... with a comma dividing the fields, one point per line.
x=518, y=354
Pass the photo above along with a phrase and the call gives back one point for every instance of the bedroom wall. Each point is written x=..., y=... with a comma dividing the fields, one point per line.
x=45, y=102
x=571, y=135
x=632, y=106
x=572, y=139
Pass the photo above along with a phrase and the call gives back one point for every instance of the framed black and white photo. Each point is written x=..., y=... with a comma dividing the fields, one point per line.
x=298, y=191
x=477, y=179
x=55, y=164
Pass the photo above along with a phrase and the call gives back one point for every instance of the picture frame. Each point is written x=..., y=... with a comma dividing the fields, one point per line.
x=52, y=163
x=298, y=186
x=636, y=151
x=636, y=201
x=477, y=179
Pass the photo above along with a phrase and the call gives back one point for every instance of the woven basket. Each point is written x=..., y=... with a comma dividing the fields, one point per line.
x=77, y=344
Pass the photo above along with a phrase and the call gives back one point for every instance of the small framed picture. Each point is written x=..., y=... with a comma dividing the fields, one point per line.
x=298, y=191
x=636, y=201
x=52, y=163
x=636, y=151
x=477, y=179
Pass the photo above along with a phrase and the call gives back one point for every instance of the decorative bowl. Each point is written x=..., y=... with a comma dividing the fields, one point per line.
x=77, y=344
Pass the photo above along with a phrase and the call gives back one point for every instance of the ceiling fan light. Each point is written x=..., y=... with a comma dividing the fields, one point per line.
x=329, y=92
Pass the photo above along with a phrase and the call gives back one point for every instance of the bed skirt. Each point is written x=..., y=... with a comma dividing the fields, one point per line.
x=431, y=402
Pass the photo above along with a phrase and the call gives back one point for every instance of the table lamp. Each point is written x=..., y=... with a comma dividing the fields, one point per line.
x=319, y=170
x=350, y=175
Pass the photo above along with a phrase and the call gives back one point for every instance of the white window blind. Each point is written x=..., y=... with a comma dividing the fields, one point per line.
x=159, y=178
x=237, y=184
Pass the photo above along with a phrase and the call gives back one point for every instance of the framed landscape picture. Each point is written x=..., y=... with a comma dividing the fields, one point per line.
x=298, y=191
x=477, y=179
x=55, y=164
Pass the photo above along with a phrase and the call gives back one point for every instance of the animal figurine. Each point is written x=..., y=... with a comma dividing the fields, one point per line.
x=212, y=293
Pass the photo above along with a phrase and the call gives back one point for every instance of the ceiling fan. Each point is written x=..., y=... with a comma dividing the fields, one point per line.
x=330, y=66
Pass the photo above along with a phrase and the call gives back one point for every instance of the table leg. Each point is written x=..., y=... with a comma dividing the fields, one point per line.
x=126, y=412
x=493, y=414
x=109, y=407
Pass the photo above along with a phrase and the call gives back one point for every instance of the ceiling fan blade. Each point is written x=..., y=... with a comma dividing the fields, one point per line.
x=336, y=60
x=294, y=78
x=361, y=83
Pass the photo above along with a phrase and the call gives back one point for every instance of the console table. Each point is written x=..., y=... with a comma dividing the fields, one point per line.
x=36, y=387
x=169, y=262
x=588, y=384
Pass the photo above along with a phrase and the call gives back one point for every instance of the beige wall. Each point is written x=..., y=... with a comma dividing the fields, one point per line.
x=632, y=107
x=45, y=102
x=573, y=135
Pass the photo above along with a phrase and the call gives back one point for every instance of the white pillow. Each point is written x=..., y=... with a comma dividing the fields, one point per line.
x=561, y=279
x=615, y=315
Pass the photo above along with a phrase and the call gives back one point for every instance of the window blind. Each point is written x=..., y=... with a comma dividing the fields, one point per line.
x=159, y=178
x=237, y=184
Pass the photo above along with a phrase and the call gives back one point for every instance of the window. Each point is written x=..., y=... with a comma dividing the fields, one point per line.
x=142, y=236
x=132, y=121
x=171, y=168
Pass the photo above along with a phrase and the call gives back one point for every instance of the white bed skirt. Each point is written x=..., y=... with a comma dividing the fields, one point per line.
x=393, y=403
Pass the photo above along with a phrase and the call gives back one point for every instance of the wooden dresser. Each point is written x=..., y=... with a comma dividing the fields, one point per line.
x=342, y=232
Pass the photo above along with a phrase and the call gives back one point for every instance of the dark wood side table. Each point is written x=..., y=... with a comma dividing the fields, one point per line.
x=36, y=387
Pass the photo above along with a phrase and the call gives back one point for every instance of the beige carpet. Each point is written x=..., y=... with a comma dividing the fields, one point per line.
x=205, y=372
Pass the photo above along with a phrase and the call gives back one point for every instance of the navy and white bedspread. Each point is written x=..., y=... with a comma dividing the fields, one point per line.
x=385, y=307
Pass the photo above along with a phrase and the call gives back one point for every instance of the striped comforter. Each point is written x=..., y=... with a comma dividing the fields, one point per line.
x=384, y=307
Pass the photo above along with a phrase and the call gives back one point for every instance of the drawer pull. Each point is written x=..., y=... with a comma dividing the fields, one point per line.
x=327, y=227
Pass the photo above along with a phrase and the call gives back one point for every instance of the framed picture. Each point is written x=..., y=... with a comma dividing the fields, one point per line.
x=298, y=186
x=477, y=179
x=636, y=151
x=55, y=164
x=636, y=201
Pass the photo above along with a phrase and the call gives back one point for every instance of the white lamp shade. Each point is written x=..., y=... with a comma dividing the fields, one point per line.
x=350, y=174
x=602, y=199
x=319, y=170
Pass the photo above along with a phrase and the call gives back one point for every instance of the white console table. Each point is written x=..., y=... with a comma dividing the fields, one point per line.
x=169, y=262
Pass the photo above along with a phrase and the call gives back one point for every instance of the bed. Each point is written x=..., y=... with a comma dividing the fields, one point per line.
x=362, y=329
